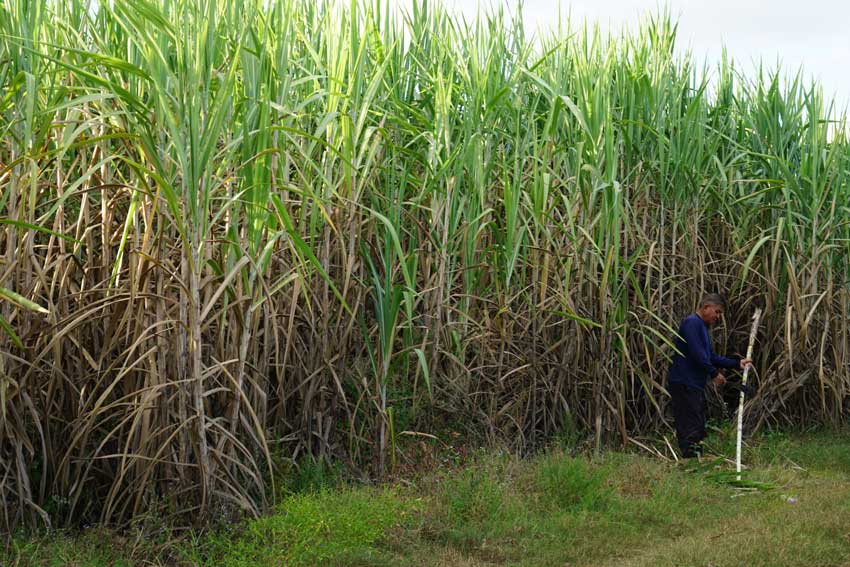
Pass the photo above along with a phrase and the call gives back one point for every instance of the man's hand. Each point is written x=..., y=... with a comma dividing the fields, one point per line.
x=745, y=363
x=718, y=380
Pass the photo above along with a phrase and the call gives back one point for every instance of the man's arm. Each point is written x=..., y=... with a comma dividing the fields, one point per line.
x=725, y=361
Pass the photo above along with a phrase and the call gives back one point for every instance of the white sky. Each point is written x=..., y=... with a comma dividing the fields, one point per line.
x=814, y=34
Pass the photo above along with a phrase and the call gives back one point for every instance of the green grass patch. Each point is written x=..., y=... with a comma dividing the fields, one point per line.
x=326, y=527
x=619, y=508
x=92, y=548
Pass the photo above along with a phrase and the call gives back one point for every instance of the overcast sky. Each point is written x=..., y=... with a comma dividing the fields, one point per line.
x=814, y=34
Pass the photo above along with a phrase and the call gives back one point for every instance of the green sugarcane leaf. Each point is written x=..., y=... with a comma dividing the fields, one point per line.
x=29, y=226
x=581, y=320
x=424, y=365
x=304, y=249
x=745, y=269
x=7, y=328
x=21, y=301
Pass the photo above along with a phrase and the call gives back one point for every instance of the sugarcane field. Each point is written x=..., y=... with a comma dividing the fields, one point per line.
x=375, y=283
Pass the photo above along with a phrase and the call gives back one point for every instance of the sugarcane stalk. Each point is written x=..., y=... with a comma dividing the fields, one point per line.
x=753, y=330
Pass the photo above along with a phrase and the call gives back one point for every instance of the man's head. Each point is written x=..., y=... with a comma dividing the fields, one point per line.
x=711, y=308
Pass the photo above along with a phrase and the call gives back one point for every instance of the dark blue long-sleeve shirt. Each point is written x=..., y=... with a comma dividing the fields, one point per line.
x=694, y=362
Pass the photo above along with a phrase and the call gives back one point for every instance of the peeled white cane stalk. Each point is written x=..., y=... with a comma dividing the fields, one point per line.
x=756, y=317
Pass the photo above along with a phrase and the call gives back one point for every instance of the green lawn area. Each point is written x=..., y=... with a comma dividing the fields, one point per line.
x=617, y=509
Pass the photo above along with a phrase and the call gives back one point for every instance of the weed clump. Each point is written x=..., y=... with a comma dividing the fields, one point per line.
x=573, y=484
x=311, y=529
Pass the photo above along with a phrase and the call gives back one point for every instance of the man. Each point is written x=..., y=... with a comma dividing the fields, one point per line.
x=693, y=365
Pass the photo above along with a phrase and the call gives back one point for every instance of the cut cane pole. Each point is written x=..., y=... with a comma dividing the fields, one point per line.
x=753, y=331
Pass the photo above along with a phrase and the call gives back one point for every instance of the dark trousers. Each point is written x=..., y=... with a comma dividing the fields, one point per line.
x=689, y=417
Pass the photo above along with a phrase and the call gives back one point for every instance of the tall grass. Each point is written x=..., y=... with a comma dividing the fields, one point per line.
x=241, y=231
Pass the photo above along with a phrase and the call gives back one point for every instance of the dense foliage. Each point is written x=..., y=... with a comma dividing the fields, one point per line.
x=242, y=231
